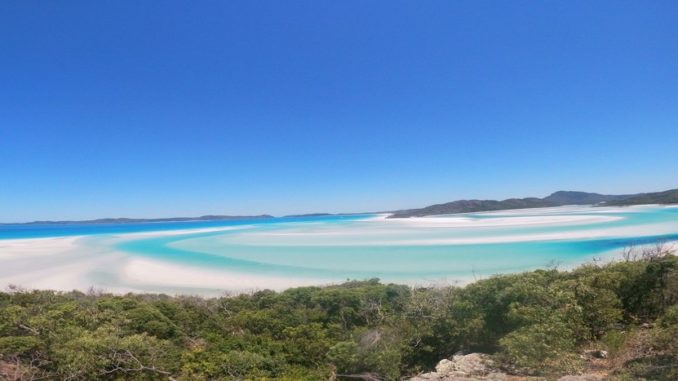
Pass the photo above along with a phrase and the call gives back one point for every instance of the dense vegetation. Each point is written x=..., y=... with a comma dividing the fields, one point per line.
x=582, y=198
x=666, y=197
x=469, y=206
x=559, y=198
x=533, y=323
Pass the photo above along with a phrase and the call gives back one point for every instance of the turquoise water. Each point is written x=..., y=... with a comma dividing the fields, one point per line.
x=36, y=230
x=336, y=248
x=358, y=248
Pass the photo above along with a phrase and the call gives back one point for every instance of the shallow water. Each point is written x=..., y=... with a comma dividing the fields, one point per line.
x=335, y=248
x=359, y=247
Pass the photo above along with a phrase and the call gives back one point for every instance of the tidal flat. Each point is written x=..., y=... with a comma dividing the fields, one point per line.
x=212, y=258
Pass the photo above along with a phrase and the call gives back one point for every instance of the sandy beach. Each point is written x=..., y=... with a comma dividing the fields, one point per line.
x=267, y=257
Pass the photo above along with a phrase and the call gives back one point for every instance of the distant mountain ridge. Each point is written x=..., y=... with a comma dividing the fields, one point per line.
x=143, y=220
x=666, y=197
x=308, y=215
x=559, y=198
x=466, y=206
x=582, y=198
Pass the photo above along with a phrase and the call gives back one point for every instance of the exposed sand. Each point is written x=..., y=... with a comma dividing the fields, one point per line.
x=22, y=248
x=464, y=222
x=416, y=231
x=80, y=263
x=143, y=273
x=62, y=263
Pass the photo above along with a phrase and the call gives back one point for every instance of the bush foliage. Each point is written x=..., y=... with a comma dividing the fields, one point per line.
x=535, y=322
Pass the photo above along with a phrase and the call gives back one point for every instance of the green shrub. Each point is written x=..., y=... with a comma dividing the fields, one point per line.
x=18, y=345
x=614, y=341
x=538, y=347
x=537, y=322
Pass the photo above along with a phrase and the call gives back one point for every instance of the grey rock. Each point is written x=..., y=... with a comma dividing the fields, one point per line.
x=496, y=376
x=479, y=367
x=471, y=367
x=583, y=377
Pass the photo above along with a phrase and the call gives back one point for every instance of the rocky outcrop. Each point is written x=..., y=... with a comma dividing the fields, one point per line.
x=583, y=377
x=480, y=367
x=471, y=367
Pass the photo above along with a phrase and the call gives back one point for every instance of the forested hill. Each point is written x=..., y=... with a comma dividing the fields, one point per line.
x=467, y=206
x=667, y=197
x=539, y=323
x=559, y=198
x=582, y=198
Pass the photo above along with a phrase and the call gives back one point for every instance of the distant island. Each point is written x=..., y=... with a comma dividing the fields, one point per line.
x=145, y=220
x=323, y=214
x=559, y=198
x=122, y=220
x=308, y=215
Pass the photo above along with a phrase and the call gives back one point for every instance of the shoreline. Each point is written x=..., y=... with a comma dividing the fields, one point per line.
x=158, y=278
x=84, y=262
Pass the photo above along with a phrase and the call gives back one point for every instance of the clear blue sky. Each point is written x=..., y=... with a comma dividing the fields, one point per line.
x=164, y=108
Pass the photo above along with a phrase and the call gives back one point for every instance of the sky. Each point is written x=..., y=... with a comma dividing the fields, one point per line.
x=178, y=108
